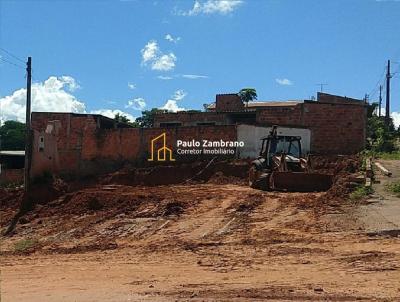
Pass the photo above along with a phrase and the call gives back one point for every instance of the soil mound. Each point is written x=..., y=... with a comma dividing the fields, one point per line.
x=175, y=174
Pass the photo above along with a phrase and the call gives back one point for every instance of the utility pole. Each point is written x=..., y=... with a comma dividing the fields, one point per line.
x=380, y=100
x=366, y=98
x=387, y=109
x=28, y=133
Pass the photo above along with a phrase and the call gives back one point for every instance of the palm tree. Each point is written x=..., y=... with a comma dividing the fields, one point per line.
x=247, y=95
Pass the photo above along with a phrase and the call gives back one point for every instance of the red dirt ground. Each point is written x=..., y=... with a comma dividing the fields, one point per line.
x=130, y=238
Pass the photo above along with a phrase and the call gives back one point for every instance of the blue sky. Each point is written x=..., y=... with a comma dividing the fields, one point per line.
x=281, y=48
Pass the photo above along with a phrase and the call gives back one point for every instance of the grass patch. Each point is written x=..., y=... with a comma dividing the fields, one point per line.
x=394, y=155
x=25, y=244
x=360, y=192
x=387, y=155
x=394, y=187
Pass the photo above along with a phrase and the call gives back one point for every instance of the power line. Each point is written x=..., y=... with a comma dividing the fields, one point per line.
x=12, y=55
x=9, y=62
x=376, y=87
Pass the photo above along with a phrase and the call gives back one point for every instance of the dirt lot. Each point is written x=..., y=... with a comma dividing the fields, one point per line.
x=208, y=239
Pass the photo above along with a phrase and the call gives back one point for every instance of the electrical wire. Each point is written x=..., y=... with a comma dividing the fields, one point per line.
x=9, y=62
x=12, y=55
x=376, y=87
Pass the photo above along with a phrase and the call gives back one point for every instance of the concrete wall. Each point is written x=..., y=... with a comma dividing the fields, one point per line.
x=251, y=136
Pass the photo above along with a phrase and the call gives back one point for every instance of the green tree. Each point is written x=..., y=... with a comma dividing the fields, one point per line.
x=121, y=118
x=12, y=136
x=379, y=137
x=247, y=95
x=147, y=118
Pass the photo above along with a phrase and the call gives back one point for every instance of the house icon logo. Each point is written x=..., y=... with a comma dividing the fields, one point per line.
x=162, y=152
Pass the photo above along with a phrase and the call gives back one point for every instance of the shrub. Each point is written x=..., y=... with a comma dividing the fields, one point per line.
x=25, y=244
x=394, y=187
x=360, y=192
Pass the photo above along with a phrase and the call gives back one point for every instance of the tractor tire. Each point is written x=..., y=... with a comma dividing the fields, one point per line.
x=254, y=175
x=257, y=179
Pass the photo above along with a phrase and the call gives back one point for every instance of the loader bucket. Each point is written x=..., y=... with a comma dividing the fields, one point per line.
x=300, y=181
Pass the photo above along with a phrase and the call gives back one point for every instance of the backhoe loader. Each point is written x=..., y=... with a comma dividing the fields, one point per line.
x=281, y=167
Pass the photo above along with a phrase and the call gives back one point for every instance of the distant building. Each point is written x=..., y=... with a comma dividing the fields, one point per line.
x=11, y=166
x=89, y=144
x=228, y=109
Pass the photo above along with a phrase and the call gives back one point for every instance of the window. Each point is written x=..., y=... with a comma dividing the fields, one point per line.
x=41, y=143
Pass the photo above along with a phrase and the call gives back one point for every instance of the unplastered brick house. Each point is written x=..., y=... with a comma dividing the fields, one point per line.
x=82, y=144
x=337, y=124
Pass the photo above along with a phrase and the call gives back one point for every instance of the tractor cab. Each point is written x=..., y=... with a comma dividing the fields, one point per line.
x=280, y=166
x=276, y=145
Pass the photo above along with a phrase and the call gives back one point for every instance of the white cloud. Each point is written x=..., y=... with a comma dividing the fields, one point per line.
x=70, y=83
x=172, y=104
x=112, y=112
x=179, y=95
x=151, y=54
x=396, y=118
x=136, y=104
x=164, y=62
x=161, y=77
x=52, y=95
x=170, y=38
x=131, y=86
x=286, y=82
x=150, y=51
x=222, y=7
x=194, y=76
x=185, y=76
x=394, y=115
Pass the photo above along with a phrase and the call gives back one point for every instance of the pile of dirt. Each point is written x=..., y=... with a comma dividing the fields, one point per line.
x=9, y=196
x=103, y=202
x=10, y=200
x=47, y=190
x=180, y=173
x=335, y=164
x=343, y=168
x=219, y=178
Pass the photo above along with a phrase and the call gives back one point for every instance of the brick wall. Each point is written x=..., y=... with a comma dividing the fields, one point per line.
x=336, y=128
x=280, y=115
x=190, y=118
x=9, y=176
x=228, y=102
x=336, y=99
x=78, y=147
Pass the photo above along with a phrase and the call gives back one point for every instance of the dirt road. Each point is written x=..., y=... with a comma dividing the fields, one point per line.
x=200, y=242
x=382, y=212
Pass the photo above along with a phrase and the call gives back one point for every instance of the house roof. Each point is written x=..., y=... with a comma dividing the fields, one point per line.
x=266, y=104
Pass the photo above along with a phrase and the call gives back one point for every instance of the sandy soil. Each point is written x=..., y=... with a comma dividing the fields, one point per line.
x=196, y=242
